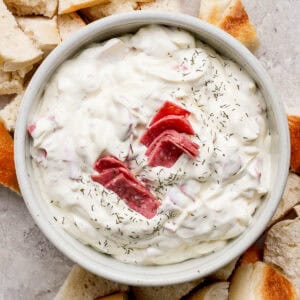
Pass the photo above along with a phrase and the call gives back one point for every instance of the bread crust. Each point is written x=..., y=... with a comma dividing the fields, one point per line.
x=236, y=22
x=275, y=286
x=10, y=83
x=168, y=292
x=68, y=6
x=232, y=17
x=81, y=284
x=214, y=291
x=252, y=255
x=113, y=7
x=214, y=16
x=46, y=8
x=297, y=210
x=8, y=176
x=118, y=296
x=294, y=126
x=260, y=281
x=282, y=248
x=290, y=198
x=213, y=11
x=8, y=114
x=162, y=5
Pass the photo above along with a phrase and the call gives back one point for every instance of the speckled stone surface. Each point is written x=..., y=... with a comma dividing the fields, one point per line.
x=31, y=267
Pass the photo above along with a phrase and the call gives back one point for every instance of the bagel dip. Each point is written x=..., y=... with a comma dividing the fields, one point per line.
x=152, y=147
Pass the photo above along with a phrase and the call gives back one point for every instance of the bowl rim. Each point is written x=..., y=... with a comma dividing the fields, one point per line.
x=144, y=276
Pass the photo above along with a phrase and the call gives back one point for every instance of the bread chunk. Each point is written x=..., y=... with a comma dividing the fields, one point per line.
x=214, y=291
x=294, y=125
x=45, y=8
x=213, y=11
x=224, y=273
x=252, y=255
x=114, y=7
x=10, y=83
x=17, y=50
x=68, y=24
x=260, y=281
x=290, y=198
x=282, y=248
x=231, y=16
x=68, y=6
x=8, y=176
x=169, y=292
x=43, y=31
x=81, y=284
x=162, y=5
x=297, y=210
x=8, y=114
x=118, y=296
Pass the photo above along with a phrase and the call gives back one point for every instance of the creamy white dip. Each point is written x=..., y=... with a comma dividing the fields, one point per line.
x=100, y=102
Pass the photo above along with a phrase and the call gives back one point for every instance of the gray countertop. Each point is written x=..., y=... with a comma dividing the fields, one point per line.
x=32, y=268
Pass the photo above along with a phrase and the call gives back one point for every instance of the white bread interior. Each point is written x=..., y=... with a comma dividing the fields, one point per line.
x=43, y=31
x=68, y=6
x=81, y=284
x=9, y=113
x=68, y=24
x=282, y=248
x=45, y=8
x=214, y=291
x=17, y=50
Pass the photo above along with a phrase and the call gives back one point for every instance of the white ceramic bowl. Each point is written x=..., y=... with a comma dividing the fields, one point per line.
x=107, y=266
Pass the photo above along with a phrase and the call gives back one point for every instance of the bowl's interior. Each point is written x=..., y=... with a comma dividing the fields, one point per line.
x=102, y=264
